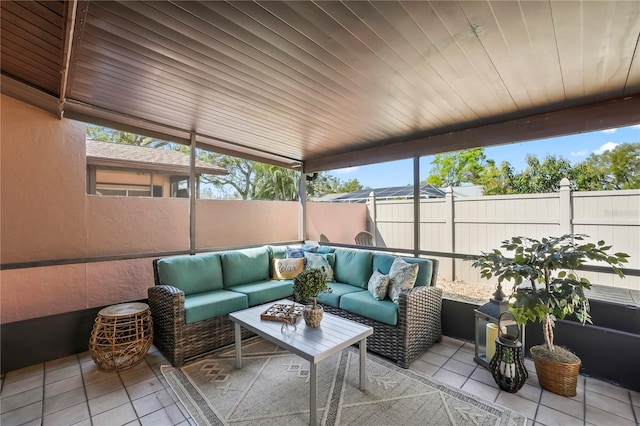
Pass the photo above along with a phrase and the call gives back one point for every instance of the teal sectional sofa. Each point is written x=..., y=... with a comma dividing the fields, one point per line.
x=193, y=296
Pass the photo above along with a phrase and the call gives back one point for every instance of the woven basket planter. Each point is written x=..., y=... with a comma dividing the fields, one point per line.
x=557, y=377
x=312, y=317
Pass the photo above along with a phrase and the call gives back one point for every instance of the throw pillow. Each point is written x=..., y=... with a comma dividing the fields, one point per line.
x=298, y=252
x=402, y=277
x=378, y=284
x=287, y=269
x=319, y=261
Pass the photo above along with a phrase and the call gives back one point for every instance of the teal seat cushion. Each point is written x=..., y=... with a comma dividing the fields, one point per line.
x=217, y=303
x=191, y=274
x=337, y=291
x=245, y=266
x=364, y=304
x=383, y=262
x=353, y=267
x=265, y=291
x=325, y=250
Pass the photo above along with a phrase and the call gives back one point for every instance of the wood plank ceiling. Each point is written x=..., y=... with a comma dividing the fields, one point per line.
x=332, y=84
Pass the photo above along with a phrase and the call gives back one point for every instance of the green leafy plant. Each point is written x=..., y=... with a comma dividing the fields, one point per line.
x=546, y=284
x=308, y=284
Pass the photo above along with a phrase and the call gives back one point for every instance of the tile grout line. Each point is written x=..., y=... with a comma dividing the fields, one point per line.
x=86, y=395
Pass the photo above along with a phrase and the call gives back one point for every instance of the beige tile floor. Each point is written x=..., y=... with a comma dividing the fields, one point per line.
x=72, y=391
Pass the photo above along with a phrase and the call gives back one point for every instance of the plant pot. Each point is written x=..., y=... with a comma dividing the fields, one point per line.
x=312, y=316
x=558, y=377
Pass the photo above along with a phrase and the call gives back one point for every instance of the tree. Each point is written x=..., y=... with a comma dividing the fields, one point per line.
x=326, y=183
x=457, y=167
x=241, y=176
x=276, y=183
x=497, y=181
x=620, y=166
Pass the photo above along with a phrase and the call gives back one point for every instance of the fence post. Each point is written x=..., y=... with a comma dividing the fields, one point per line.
x=450, y=233
x=372, y=221
x=566, y=207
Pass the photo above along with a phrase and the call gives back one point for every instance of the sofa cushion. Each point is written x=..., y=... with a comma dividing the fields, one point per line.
x=202, y=306
x=363, y=303
x=402, y=278
x=378, y=285
x=353, y=267
x=322, y=262
x=287, y=269
x=383, y=262
x=278, y=252
x=265, y=291
x=337, y=291
x=245, y=266
x=191, y=274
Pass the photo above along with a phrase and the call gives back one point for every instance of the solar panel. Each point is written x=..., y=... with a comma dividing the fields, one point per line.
x=389, y=193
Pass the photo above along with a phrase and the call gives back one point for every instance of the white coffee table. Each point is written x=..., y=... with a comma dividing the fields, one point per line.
x=311, y=344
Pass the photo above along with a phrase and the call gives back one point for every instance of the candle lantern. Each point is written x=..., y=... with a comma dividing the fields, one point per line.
x=506, y=366
x=486, y=331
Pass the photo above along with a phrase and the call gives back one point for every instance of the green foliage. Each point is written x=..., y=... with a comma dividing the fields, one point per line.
x=546, y=284
x=497, y=181
x=619, y=167
x=308, y=284
x=457, y=167
x=276, y=183
x=326, y=183
x=615, y=169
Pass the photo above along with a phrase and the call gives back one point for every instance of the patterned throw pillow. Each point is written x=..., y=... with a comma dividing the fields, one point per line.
x=320, y=261
x=298, y=252
x=402, y=277
x=287, y=269
x=378, y=284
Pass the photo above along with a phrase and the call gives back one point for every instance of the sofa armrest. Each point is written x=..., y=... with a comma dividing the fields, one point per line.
x=419, y=315
x=167, y=310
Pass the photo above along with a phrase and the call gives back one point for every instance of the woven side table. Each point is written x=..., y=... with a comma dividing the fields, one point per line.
x=121, y=336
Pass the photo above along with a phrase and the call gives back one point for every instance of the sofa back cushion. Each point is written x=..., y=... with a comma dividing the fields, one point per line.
x=191, y=274
x=383, y=262
x=353, y=267
x=245, y=266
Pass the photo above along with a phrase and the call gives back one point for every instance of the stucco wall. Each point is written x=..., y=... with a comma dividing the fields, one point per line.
x=228, y=223
x=43, y=185
x=47, y=215
x=340, y=222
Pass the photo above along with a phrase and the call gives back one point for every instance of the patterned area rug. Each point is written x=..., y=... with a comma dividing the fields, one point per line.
x=272, y=388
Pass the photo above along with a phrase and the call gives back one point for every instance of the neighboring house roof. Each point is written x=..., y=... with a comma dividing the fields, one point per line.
x=109, y=154
x=389, y=193
x=327, y=197
x=467, y=191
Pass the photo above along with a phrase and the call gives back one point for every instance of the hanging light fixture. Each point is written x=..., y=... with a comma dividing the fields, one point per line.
x=507, y=366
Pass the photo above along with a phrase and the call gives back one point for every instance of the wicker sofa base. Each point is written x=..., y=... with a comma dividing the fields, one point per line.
x=404, y=343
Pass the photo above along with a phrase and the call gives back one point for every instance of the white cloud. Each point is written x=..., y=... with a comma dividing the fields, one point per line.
x=609, y=131
x=609, y=146
x=346, y=170
x=579, y=153
x=637, y=126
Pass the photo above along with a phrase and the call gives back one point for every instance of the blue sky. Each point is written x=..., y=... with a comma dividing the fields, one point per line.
x=574, y=148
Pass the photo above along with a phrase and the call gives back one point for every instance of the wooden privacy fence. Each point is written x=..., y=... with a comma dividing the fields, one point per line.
x=470, y=225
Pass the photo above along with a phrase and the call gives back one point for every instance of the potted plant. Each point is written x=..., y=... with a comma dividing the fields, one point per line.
x=306, y=286
x=547, y=287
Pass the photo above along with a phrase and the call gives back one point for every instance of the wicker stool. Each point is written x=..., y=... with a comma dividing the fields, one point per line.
x=122, y=335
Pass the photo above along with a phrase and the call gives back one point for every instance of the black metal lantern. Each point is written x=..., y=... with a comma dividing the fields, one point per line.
x=507, y=367
x=486, y=325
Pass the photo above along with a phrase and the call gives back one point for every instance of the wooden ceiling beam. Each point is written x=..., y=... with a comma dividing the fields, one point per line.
x=620, y=112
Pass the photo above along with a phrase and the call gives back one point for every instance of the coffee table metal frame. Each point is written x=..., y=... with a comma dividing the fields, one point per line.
x=311, y=344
